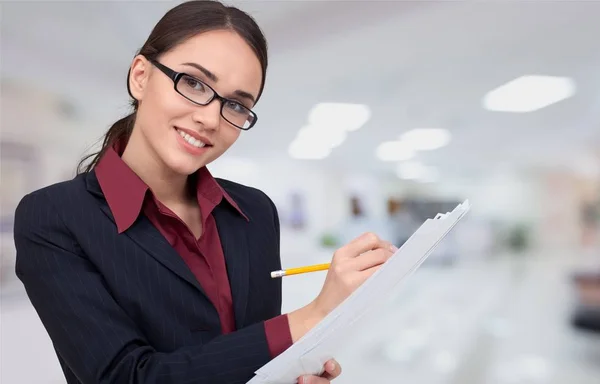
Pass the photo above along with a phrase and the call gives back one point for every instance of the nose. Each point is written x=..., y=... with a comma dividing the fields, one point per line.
x=209, y=116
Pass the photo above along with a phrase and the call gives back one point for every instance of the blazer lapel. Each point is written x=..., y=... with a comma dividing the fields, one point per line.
x=154, y=243
x=144, y=234
x=232, y=232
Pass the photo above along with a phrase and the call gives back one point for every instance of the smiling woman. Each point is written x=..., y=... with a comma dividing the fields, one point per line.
x=146, y=269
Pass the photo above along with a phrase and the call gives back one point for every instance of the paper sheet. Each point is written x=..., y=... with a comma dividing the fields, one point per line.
x=309, y=354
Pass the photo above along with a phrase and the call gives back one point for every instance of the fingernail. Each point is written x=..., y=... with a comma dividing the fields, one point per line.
x=331, y=366
x=305, y=379
x=393, y=248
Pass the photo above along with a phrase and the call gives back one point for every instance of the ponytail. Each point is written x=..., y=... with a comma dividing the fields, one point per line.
x=121, y=130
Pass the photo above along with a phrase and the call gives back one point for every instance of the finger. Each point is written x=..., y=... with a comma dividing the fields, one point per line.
x=372, y=259
x=332, y=370
x=390, y=246
x=369, y=272
x=313, y=380
x=364, y=243
x=386, y=245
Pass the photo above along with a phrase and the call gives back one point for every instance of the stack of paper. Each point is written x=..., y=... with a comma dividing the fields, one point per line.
x=309, y=354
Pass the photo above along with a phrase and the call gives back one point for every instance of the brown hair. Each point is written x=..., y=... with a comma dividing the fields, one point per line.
x=177, y=25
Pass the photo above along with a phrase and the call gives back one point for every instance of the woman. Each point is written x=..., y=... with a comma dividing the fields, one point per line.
x=146, y=269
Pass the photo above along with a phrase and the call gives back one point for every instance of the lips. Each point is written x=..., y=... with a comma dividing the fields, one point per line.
x=191, y=140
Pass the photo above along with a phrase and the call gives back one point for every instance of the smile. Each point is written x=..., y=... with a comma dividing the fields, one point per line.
x=192, y=141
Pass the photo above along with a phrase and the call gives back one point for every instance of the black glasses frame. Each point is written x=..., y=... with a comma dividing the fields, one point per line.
x=176, y=76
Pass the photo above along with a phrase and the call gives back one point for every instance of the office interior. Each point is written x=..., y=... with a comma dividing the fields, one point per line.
x=376, y=115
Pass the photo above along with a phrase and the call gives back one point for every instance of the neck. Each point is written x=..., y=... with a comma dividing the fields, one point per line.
x=167, y=186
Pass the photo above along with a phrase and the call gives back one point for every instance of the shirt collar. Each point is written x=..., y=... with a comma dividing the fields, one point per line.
x=208, y=187
x=125, y=191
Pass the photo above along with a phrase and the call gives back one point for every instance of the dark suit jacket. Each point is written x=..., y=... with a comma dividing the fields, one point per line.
x=126, y=308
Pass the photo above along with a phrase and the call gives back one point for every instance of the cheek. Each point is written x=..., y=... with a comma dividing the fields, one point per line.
x=164, y=99
x=169, y=106
x=229, y=135
x=160, y=111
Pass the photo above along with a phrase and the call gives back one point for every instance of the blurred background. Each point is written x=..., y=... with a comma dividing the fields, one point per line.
x=376, y=116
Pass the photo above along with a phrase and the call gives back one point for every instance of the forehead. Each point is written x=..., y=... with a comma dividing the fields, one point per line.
x=225, y=54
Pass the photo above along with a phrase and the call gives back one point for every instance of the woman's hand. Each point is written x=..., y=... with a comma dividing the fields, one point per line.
x=332, y=370
x=352, y=264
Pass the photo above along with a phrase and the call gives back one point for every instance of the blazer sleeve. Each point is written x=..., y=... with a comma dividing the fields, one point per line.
x=92, y=334
x=279, y=335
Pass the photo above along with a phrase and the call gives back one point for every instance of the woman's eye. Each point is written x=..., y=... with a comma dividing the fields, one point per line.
x=194, y=84
x=236, y=107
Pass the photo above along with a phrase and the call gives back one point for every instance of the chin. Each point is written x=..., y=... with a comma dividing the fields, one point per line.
x=184, y=166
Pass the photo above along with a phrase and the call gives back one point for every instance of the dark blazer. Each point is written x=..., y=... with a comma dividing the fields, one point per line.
x=126, y=308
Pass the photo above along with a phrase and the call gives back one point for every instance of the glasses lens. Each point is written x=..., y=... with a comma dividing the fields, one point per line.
x=238, y=115
x=194, y=89
x=200, y=93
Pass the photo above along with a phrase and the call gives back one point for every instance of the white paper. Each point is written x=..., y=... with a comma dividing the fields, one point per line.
x=309, y=354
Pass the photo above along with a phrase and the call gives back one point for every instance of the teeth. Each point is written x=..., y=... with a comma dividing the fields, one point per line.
x=191, y=140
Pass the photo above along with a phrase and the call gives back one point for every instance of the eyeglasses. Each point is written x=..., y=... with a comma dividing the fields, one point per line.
x=198, y=92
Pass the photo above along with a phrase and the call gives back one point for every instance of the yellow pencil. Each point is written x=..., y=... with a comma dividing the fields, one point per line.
x=296, y=271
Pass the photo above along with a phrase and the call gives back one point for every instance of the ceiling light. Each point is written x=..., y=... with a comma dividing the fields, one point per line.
x=340, y=116
x=394, y=151
x=416, y=171
x=529, y=93
x=425, y=139
x=306, y=150
x=321, y=134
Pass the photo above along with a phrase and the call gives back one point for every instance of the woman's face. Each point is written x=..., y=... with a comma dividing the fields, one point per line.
x=179, y=134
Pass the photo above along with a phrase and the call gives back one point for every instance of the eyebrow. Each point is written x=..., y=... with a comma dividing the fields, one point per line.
x=214, y=78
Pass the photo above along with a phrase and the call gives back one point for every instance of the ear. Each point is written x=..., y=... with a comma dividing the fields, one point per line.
x=138, y=77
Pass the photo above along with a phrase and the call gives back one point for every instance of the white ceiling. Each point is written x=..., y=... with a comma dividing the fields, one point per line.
x=414, y=63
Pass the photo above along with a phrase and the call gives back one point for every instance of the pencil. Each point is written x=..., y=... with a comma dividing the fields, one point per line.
x=296, y=271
